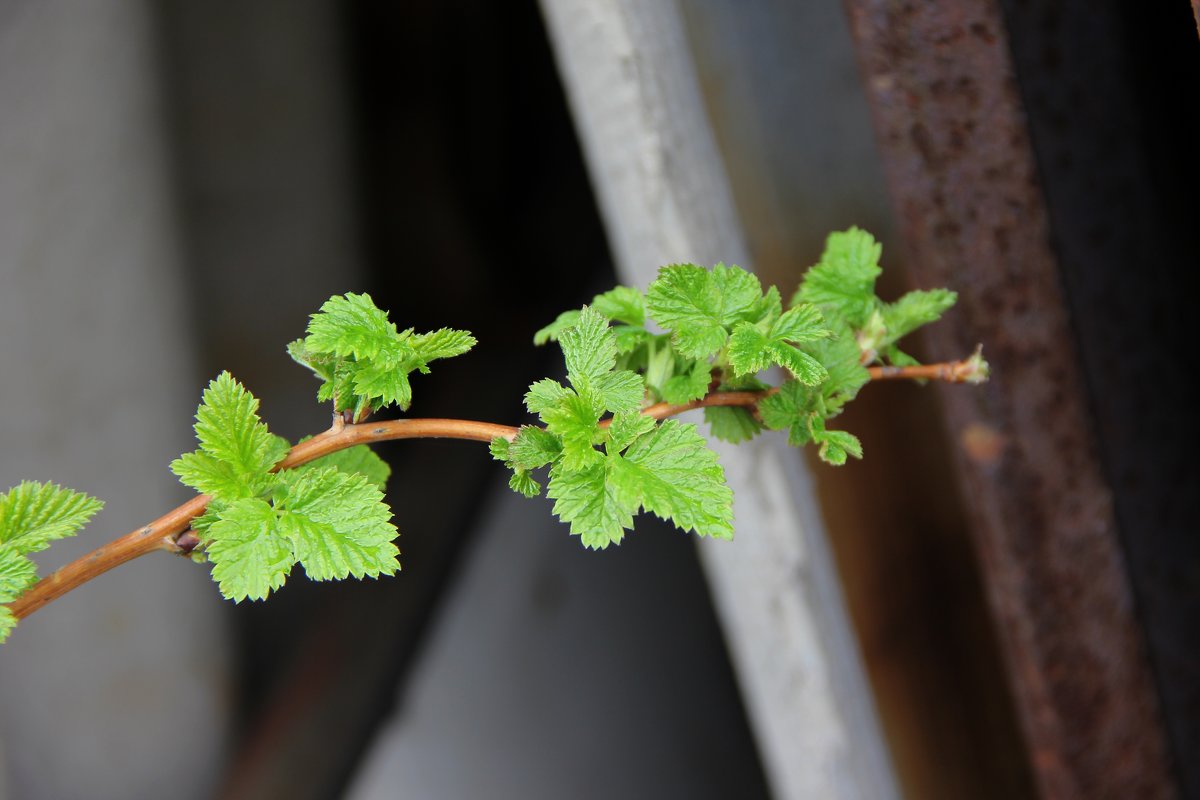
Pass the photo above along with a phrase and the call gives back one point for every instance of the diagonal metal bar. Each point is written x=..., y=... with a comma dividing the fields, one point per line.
x=963, y=178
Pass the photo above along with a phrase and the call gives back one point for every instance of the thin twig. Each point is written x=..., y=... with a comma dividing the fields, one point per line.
x=968, y=370
x=162, y=532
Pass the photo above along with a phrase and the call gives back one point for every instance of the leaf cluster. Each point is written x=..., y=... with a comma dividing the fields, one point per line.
x=602, y=474
x=329, y=516
x=696, y=331
x=363, y=361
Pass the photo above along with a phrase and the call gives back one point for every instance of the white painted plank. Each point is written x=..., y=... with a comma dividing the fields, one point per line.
x=665, y=199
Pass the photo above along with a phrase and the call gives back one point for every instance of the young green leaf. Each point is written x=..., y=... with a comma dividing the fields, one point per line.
x=619, y=390
x=842, y=283
x=667, y=470
x=249, y=554
x=543, y=394
x=914, y=310
x=576, y=423
x=698, y=305
x=752, y=350
x=7, y=620
x=834, y=445
x=520, y=481
x=622, y=304
x=534, y=447
x=523, y=483
x=236, y=451
x=626, y=427
x=357, y=460
x=34, y=514
x=17, y=573
x=338, y=525
x=351, y=325
x=381, y=384
x=589, y=348
x=671, y=472
x=443, y=343
x=583, y=499
x=363, y=360
x=564, y=321
x=731, y=424
x=691, y=384
x=788, y=410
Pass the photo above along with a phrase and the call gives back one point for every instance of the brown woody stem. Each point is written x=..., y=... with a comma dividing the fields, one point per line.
x=161, y=534
x=164, y=532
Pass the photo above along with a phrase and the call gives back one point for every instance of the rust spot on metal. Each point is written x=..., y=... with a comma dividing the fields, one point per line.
x=982, y=443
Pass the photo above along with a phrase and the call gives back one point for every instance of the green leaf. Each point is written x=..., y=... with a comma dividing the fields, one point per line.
x=322, y=364
x=898, y=358
x=620, y=390
x=7, y=623
x=584, y=500
x=352, y=325
x=731, y=424
x=629, y=338
x=576, y=422
x=520, y=481
x=800, y=324
x=546, y=393
x=834, y=445
x=444, y=343
x=698, y=305
x=807, y=369
x=590, y=349
x=672, y=473
x=382, y=384
x=500, y=448
x=914, y=310
x=769, y=309
x=17, y=573
x=622, y=304
x=534, y=447
x=363, y=360
x=237, y=451
x=357, y=460
x=625, y=428
x=789, y=409
x=209, y=475
x=688, y=386
x=565, y=321
x=523, y=483
x=843, y=281
x=340, y=389
x=250, y=557
x=338, y=525
x=750, y=351
x=33, y=514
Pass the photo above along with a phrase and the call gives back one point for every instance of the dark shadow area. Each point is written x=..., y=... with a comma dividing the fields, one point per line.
x=1110, y=90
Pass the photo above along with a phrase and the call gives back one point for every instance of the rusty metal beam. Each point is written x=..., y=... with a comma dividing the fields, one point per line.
x=965, y=186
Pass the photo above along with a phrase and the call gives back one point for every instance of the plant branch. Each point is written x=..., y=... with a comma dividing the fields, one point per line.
x=164, y=532
x=968, y=370
x=161, y=534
